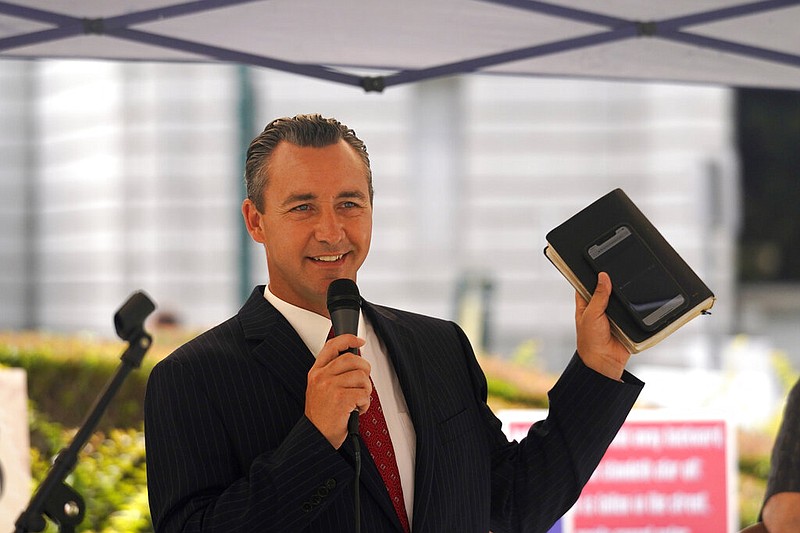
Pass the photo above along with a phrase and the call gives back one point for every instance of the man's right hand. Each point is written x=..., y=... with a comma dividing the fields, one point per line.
x=338, y=383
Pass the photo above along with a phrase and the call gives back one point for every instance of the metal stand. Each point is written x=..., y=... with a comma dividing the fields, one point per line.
x=54, y=498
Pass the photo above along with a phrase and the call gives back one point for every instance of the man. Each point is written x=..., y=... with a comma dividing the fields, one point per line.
x=247, y=424
x=781, y=512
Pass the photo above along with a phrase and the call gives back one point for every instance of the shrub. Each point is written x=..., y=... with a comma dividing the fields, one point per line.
x=503, y=390
x=67, y=374
x=110, y=475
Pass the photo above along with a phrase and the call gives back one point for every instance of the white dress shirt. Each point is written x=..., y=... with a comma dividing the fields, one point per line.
x=313, y=330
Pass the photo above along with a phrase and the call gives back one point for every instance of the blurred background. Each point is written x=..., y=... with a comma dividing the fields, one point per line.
x=119, y=177
x=125, y=176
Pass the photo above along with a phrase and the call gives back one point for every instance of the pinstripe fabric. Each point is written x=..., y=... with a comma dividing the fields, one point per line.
x=228, y=447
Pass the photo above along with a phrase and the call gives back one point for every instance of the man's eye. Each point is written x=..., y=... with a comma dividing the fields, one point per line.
x=304, y=207
x=349, y=204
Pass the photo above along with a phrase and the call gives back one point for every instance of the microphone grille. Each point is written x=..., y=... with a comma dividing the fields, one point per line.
x=343, y=294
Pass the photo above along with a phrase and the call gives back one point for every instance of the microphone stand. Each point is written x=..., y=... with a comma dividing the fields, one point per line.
x=54, y=498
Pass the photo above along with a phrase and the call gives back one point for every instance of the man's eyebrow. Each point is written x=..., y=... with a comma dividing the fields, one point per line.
x=298, y=197
x=352, y=194
x=306, y=196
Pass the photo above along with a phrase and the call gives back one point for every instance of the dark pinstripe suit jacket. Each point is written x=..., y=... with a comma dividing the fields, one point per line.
x=229, y=450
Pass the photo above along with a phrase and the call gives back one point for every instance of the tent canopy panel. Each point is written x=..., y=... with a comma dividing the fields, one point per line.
x=731, y=42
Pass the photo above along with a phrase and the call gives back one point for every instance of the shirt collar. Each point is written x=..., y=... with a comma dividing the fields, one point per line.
x=312, y=328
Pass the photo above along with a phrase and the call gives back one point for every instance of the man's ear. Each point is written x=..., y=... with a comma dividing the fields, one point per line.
x=252, y=219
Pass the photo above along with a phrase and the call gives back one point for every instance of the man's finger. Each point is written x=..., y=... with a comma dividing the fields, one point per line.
x=336, y=346
x=354, y=378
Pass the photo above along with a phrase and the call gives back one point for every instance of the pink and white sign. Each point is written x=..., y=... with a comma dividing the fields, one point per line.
x=663, y=473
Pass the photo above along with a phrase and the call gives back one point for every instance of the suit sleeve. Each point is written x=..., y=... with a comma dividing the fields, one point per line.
x=195, y=483
x=535, y=481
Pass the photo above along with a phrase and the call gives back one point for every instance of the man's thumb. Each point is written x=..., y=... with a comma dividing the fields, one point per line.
x=601, y=293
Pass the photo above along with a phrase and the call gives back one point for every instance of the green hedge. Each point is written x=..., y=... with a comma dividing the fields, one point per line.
x=110, y=475
x=510, y=393
x=65, y=377
x=67, y=374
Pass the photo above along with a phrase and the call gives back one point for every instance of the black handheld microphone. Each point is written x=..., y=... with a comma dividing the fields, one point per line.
x=344, y=303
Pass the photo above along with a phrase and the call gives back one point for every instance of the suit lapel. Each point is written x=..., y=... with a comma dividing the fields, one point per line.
x=276, y=345
x=408, y=358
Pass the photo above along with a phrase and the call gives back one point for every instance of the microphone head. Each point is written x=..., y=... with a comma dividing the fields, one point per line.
x=129, y=319
x=343, y=294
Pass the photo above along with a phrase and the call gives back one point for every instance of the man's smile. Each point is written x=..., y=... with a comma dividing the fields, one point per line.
x=328, y=258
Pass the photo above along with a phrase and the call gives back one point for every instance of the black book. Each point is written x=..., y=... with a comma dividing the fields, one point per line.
x=654, y=292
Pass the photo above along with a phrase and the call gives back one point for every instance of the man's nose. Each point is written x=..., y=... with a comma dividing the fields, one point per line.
x=329, y=227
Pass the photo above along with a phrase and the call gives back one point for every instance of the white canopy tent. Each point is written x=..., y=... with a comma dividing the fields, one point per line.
x=727, y=42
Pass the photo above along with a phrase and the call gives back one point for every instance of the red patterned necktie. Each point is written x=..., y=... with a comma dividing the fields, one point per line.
x=375, y=434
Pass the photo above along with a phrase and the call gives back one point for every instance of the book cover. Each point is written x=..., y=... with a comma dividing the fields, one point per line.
x=655, y=291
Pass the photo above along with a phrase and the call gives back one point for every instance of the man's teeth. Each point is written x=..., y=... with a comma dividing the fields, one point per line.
x=329, y=258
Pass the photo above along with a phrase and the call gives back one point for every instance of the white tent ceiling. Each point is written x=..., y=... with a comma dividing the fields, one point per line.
x=727, y=42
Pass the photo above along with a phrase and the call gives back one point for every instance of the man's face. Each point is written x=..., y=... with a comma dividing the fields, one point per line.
x=317, y=221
